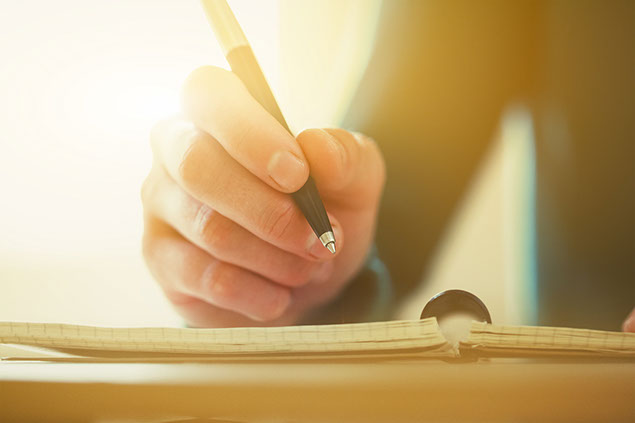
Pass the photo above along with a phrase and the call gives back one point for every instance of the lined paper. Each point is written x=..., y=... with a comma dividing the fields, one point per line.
x=358, y=337
x=484, y=336
x=403, y=338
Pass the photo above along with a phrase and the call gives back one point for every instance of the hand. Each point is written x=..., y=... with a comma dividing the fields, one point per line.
x=629, y=323
x=223, y=238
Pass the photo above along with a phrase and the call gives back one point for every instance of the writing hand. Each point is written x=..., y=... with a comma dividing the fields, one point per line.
x=222, y=237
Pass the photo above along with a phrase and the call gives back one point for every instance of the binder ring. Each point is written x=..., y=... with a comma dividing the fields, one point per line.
x=456, y=300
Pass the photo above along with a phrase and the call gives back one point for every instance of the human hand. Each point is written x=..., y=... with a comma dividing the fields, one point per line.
x=222, y=237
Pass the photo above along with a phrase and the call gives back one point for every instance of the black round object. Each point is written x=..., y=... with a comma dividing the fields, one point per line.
x=456, y=300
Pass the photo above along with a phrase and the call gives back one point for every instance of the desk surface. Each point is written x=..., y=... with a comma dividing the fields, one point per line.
x=498, y=390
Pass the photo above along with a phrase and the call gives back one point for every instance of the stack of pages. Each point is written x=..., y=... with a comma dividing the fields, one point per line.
x=393, y=340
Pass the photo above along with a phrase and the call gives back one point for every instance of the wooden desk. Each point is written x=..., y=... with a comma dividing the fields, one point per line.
x=499, y=390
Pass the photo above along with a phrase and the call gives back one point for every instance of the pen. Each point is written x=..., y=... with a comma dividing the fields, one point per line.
x=243, y=63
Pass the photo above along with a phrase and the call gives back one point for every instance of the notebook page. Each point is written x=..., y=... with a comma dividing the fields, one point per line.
x=484, y=336
x=359, y=337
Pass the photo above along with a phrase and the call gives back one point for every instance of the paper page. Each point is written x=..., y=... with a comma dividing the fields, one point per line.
x=485, y=336
x=359, y=337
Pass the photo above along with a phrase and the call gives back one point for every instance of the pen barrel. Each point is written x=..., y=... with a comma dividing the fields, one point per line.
x=244, y=64
x=308, y=200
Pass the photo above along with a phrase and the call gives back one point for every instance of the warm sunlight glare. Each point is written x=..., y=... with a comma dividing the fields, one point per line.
x=82, y=83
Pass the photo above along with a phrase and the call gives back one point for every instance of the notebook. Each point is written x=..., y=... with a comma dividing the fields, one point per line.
x=392, y=339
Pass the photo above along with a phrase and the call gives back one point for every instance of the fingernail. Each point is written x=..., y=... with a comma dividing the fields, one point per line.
x=275, y=307
x=281, y=304
x=287, y=170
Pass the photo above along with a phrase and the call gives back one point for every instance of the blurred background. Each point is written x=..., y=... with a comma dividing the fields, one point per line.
x=442, y=81
x=82, y=83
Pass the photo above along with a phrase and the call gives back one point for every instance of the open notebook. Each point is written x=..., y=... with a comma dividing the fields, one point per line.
x=393, y=339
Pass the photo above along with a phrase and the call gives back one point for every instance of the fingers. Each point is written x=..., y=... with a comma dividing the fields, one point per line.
x=181, y=267
x=198, y=313
x=218, y=103
x=347, y=167
x=224, y=239
x=202, y=167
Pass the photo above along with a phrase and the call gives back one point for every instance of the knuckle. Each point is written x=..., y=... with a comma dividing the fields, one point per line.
x=220, y=278
x=277, y=222
x=211, y=228
x=190, y=165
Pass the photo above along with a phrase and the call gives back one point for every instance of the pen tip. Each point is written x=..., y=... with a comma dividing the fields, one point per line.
x=328, y=240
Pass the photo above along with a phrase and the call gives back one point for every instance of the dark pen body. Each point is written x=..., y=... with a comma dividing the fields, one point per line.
x=243, y=63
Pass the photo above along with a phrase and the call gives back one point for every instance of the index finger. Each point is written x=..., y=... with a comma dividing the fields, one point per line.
x=219, y=104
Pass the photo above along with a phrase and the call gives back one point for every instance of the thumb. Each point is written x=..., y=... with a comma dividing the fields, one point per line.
x=348, y=168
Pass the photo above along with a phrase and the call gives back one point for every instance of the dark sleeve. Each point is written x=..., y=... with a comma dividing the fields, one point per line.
x=432, y=96
x=442, y=74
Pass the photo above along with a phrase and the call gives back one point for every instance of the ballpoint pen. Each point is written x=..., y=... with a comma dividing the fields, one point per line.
x=243, y=63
